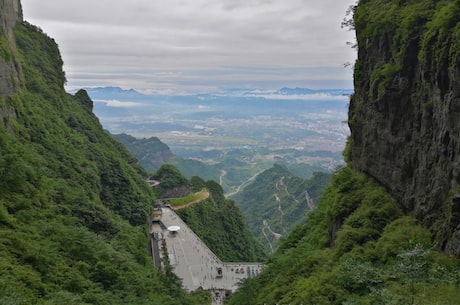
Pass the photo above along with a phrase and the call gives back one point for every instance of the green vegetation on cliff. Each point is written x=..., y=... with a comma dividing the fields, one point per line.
x=173, y=182
x=404, y=115
x=376, y=234
x=356, y=248
x=151, y=152
x=220, y=224
x=73, y=202
x=277, y=201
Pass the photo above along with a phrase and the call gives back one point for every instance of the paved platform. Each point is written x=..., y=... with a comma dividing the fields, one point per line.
x=192, y=260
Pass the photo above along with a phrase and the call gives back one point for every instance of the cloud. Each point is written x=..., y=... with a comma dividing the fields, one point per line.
x=120, y=104
x=305, y=97
x=171, y=36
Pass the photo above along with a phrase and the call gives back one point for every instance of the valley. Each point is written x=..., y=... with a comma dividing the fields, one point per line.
x=267, y=122
x=275, y=201
x=233, y=135
x=257, y=171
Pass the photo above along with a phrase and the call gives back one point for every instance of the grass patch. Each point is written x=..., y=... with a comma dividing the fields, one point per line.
x=189, y=199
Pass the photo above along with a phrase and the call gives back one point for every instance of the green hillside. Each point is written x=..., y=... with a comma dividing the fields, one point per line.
x=387, y=229
x=277, y=201
x=230, y=169
x=356, y=248
x=152, y=154
x=73, y=202
x=220, y=224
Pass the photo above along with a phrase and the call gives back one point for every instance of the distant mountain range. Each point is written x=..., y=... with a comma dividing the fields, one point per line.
x=233, y=170
x=112, y=93
x=231, y=135
x=306, y=91
x=117, y=93
x=270, y=119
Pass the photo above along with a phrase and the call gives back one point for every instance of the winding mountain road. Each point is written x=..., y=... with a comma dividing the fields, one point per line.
x=243, y=184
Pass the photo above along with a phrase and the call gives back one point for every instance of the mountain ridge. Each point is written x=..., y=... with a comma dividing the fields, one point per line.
x=276, y=201
x=110, y=92
x=73, y=201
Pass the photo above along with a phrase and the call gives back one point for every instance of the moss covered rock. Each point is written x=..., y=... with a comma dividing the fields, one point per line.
x=405, y=114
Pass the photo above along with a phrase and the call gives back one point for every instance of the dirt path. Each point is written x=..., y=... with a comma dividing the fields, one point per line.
x=273, y=236
x=310, y=202
x=221, y=177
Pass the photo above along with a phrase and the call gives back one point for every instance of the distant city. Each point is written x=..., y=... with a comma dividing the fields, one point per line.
x=298, y=125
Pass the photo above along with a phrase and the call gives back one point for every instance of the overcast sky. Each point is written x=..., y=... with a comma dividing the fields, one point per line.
x=199, y=45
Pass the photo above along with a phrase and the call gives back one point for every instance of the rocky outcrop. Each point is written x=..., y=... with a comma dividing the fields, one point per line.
x=83, y=98
x=10, y=69
x=405, y=114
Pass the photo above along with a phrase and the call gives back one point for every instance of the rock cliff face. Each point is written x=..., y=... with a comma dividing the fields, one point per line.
x=405, y=113
x=10, y=70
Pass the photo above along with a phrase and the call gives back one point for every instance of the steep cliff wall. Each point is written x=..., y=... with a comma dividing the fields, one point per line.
x=73, y=203
x=405, y=114
x=10, y=70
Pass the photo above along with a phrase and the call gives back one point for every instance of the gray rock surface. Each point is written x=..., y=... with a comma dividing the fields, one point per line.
x=405, y=120
x=10, y=70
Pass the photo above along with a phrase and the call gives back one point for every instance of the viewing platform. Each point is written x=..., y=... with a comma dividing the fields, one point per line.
x=191, y=259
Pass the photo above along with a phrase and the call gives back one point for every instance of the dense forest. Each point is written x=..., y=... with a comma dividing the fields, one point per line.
x=73, y=201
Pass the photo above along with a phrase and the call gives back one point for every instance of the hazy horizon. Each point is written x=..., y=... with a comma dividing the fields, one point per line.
x=180, y=47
